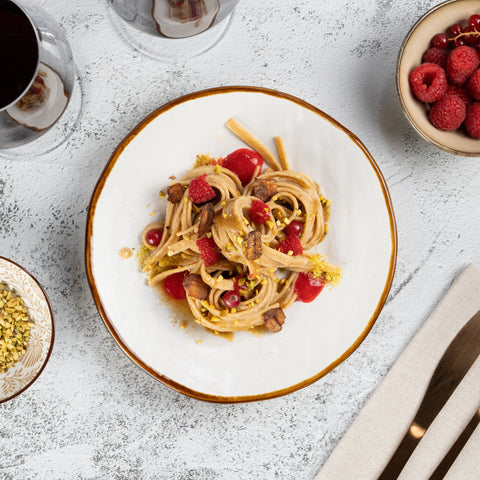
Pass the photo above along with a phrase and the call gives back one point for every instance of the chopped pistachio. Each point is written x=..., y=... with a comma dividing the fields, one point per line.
x=14, y=328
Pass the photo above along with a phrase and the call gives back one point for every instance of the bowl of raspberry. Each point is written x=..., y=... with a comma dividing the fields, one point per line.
x=438, y=76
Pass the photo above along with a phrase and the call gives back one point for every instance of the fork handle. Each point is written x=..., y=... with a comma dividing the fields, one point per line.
x=402, y=453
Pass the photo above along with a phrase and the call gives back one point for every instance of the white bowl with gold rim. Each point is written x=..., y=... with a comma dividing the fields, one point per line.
x=42, y=332
x=316, y=336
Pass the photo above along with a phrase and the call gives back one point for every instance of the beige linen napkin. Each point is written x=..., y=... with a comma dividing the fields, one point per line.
x=367, y=446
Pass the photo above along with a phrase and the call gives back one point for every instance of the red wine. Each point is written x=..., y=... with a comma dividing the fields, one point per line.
x=18, y=52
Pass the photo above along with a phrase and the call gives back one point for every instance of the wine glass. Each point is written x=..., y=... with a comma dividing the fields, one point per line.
x=41, y=97
x=167, y=29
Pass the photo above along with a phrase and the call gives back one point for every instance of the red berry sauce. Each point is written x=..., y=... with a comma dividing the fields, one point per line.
x=244, y=163
x=174, y=287
x=308, y=288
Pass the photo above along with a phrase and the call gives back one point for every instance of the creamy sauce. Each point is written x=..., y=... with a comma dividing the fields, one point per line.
x=226, y=335
x=184, y=316
x=180, y=308
x=259, y=331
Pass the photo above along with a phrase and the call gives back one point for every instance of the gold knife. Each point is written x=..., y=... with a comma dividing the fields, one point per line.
x=456, y=448
x=455, y=363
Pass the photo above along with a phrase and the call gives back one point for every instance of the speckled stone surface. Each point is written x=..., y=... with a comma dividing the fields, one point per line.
x=93, y=414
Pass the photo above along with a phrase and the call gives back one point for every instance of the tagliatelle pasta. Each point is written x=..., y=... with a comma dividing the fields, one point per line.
x=242, y=256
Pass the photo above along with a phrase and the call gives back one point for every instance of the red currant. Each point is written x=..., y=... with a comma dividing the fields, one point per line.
x=231, y=299
x=294, y=228
x=154, y=237
x=440, y=40
x=474, y=21
x=470, y=39
x=459, y=42
x=455, y=30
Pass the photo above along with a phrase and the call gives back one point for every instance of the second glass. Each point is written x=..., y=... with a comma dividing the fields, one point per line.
x=173, y=28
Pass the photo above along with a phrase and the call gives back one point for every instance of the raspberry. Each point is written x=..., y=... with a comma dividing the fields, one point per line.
x=437, y=56
x=208, y=251
x=428, y=82
x=461, y=63
x=174, y=287
x=200, y=191
x=448, y=113
x=472, y=120
x=460, y=92
x=473, y=85
x=291, y=243
x=259, y=212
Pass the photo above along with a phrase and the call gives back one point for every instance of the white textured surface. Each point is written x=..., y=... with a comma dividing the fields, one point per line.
x=93, y=414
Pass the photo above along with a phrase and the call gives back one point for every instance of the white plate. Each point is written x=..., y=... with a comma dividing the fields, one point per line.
x=316, y=336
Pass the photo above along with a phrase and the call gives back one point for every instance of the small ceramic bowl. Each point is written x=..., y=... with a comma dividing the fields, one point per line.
x=30, y=365
x=437, y=20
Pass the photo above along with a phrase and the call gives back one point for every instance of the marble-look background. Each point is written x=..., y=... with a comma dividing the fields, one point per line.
x=93, y=414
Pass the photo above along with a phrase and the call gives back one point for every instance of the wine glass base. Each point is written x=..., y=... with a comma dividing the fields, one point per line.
x=59, y=133
x=162, y=48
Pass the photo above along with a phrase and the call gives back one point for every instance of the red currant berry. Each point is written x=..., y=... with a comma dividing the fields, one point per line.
x=455, y=30
x=474, y=20
x=294, y=228
x=459, y=42
x=231, y=299
x=440, y=40
x=472, y=38
x=154, y=237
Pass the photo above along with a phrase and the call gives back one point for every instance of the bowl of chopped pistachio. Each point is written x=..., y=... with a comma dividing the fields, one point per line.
x=26, y=330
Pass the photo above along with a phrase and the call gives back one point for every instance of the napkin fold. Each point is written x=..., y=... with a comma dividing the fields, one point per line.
x=367, y=446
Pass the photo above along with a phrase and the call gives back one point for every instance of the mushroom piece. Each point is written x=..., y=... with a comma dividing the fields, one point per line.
x=175, y=192
x=254, y=245
x=206, y=219
x=195, y=286
x=265, y=188
x=274, y=319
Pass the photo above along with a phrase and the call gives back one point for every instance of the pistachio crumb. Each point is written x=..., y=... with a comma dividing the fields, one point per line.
x=14, y=328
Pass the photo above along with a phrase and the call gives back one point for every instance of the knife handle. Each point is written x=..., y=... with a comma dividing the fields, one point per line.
x=402, y=453
x=456, y=448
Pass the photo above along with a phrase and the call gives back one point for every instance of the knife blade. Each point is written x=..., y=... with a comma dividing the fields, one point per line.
x=444, y=466
x=453, y=366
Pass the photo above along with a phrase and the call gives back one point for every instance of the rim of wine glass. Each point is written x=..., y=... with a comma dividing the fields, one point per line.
x=34, y=28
